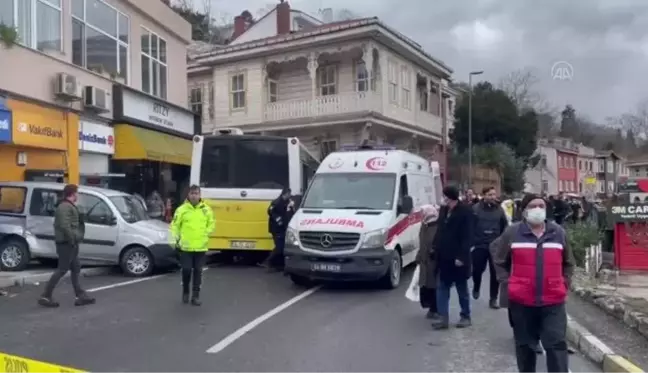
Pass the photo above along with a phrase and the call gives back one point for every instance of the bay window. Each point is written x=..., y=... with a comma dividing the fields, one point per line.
x=100, y=37
x=38, y=22
x=154, y=64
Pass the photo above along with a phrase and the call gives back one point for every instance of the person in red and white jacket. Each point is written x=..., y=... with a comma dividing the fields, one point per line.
x=534, y=262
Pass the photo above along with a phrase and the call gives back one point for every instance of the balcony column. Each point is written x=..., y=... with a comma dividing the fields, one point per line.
x=313, y=65
x=264, y=88
x=368, y=60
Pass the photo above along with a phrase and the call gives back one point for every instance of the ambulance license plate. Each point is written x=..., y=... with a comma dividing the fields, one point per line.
x=242, y=244
x=326, y=267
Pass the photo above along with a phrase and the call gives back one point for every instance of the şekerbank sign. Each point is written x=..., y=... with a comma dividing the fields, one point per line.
x=96, y=138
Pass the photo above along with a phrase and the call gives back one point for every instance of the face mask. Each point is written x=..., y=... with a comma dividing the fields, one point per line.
x=536, y=215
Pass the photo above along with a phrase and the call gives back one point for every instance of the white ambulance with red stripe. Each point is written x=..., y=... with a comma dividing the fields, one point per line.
x=360, y=217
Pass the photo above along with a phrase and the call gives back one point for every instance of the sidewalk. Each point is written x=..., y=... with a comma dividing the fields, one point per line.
x=35, y=276
x=623, y=300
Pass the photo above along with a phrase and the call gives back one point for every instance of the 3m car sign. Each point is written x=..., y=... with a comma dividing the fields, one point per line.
x=96, y=138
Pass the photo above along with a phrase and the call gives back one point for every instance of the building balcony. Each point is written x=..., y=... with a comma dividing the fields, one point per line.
x=323, y=106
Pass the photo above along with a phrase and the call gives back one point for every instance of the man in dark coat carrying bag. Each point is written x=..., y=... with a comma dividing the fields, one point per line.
x=452, y=244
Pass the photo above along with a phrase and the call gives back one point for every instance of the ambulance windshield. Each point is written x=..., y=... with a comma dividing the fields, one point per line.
x=359, y=191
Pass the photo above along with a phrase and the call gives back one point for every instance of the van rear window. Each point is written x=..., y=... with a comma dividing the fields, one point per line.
x=12, y=199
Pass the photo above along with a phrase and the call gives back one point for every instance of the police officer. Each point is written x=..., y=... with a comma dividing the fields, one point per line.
x=280, y=212
x=192, y=223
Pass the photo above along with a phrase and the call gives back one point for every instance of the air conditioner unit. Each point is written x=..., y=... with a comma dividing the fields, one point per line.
x=67, y=87
x=96, y=99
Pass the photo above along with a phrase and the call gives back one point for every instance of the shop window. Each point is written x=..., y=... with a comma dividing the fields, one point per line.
x=154, y=64
x=38, y=22
x=94, y=209
x=12, y=199
x=237, y=91
x=43, y=202
x=100, y=38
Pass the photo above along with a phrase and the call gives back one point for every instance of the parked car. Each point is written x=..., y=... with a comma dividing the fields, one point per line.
x=118, y=229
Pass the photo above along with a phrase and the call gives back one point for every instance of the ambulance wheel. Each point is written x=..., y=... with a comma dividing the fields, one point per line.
x=301, y=281
x=392, y=278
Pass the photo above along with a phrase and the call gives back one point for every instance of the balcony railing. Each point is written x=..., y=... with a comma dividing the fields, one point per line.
x=322, y=106
x=429, y=121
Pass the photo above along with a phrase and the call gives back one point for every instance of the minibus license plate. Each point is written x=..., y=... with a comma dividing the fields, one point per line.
x=242, y=244
x=326, y=267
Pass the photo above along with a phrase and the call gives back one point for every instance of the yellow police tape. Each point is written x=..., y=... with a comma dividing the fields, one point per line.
x=17, y=364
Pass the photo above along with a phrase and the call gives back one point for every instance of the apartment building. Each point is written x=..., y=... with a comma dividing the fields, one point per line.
x=611, y=169
x=328, y=83
x=94, y=90
x=543, y=178
x=586, y=170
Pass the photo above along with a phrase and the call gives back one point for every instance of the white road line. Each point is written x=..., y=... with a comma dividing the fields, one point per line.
x=130, y=282
x=220, y=346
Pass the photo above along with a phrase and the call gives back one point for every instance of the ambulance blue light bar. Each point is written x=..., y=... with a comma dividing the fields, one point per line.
x=355, y=148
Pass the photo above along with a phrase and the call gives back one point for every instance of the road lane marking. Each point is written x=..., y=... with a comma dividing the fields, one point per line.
x=130, y=282
x=220, y=346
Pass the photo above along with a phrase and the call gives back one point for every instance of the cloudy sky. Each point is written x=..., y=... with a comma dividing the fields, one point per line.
x=605, y=41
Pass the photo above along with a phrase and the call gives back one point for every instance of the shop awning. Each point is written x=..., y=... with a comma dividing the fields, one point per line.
x=134, y=143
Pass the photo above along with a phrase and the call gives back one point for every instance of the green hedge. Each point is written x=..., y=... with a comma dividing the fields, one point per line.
x=580, y=236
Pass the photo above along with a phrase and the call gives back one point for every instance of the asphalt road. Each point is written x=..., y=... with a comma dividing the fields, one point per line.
x=142, y=326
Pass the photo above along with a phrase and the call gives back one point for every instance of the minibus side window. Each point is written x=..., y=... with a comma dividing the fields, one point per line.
x=402, y=189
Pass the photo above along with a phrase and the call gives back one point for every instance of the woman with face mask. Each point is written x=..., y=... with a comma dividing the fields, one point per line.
x=534, y=263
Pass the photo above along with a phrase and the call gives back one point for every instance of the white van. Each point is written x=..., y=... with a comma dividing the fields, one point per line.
x=360, y=218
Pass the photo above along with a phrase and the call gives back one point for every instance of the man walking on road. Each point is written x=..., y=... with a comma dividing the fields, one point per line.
x=533, y=257
x=452, y=244
x=490, y=222
x=280, y=212
x=192, y=223
x=69, y=230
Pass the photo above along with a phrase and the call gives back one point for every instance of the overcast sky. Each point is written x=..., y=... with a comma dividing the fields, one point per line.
x=605, y=41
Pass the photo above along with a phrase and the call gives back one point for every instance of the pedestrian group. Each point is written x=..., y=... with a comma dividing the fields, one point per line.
x=530, y=262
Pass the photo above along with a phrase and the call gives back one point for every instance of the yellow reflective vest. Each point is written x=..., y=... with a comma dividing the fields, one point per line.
x=191, y=227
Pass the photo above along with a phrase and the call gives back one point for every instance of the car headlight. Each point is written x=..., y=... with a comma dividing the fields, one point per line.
x=292, y=238
x=374, y=239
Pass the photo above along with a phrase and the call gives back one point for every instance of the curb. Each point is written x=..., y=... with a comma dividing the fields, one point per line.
x=597, y=351
x=40, y=277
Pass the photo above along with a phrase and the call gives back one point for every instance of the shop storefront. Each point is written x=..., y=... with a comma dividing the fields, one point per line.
x=39, y=147
x=96, y=146
x=152, y=144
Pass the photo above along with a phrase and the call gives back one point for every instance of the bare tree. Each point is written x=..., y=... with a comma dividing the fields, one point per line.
x=635, y=121
x=520, y=87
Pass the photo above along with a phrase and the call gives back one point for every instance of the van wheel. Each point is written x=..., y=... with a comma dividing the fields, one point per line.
x=301, y=281
x=392, y=278
x=14, y=255
x=137, y=262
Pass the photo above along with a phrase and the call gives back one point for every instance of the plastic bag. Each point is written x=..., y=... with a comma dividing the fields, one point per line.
x=413, y=292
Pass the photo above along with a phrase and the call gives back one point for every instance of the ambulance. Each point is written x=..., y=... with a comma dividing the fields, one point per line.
x=360, y=217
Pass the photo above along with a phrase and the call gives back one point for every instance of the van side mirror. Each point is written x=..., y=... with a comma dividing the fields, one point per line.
x=406, y=206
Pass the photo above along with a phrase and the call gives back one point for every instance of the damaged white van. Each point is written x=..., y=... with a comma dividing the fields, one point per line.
x=360, y=218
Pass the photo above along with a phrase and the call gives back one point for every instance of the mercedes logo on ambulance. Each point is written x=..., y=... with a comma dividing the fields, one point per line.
x=326, y=240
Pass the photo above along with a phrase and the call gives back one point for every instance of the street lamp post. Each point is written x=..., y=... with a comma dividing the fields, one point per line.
x=470, y=149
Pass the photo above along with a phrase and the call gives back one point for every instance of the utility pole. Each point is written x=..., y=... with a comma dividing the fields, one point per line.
x=470, y=146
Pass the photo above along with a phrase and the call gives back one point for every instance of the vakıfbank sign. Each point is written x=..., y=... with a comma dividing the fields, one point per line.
x=42, y=128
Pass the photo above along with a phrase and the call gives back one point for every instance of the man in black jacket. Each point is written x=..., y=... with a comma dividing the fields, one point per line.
x=490, y=222
x=452, y=248
x=280, y=212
